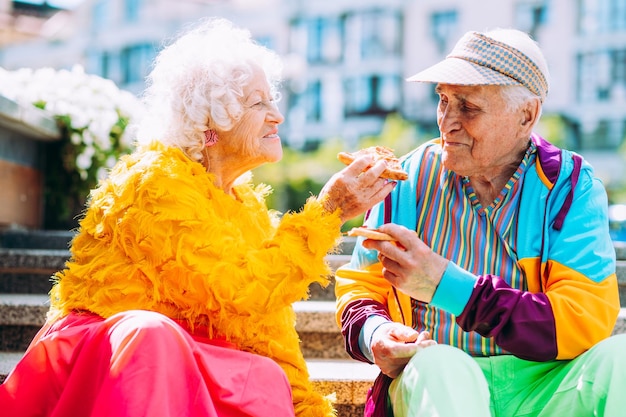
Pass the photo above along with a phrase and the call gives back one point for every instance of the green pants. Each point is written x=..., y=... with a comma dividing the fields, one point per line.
x=443, y=381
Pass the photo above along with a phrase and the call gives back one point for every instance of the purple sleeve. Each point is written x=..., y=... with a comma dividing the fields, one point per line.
x=521, y=322
x=352, y=320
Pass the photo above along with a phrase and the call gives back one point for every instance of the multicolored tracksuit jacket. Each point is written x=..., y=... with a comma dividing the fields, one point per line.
x=567, y=299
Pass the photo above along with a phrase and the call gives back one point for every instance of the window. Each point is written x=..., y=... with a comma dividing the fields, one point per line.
x=530, y=16
x=381, y=33
x=105, y=62
x=309, y=103
x=373, y=34
x=602, y=75
x=132, y=9
x=321, y=36
x=443, y=28
x=602, y=16
x=135, y=61
x=358, y=95
x=372, y=95
x=604, y=134
x=101, y=15
x=618, y=67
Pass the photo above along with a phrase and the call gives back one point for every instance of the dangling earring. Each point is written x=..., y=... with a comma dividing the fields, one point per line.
x=210, y=138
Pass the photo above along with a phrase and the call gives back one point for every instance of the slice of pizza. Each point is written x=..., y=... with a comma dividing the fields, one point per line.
x=394, y=169
x=368, y=233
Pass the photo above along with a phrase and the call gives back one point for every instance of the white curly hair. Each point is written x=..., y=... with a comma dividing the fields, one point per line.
x=197, y=84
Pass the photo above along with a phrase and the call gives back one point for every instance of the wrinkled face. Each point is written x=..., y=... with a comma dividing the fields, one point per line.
x=254, y=139
x=480, y=136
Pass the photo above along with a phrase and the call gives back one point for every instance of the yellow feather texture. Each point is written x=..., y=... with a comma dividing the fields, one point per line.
x=158, y=235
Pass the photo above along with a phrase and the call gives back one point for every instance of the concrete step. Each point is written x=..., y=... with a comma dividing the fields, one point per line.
x=25, y=271
x=620, y=250
x=319, y=293
x=8, y=360
x=30, y=310
x=35, y=239
x=315, y=323
x=348, y=379
x=21, y=315
x=319, y=333
x=28, y=270
x=32, y=261
x=620, y=254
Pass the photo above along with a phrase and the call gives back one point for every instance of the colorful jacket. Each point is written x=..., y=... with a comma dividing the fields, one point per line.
x=158, y=235
x=563, y=247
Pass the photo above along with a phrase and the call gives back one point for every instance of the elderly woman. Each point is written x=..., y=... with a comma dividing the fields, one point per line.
x=177, y=300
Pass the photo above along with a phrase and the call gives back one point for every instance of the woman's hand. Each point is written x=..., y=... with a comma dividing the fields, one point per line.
x=356, y=188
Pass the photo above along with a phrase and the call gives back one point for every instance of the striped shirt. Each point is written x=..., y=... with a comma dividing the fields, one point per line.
x=481, y=240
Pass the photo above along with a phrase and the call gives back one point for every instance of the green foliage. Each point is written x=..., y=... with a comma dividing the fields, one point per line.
x=73, y=168
x=397, y=134
x=554, y=128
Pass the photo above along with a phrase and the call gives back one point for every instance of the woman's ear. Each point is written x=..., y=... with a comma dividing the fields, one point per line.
x=210, y=138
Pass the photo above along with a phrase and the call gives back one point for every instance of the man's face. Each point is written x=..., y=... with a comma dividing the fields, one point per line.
x=480, y=135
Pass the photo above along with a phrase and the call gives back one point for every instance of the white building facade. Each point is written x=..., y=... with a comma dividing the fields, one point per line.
x=347, y=60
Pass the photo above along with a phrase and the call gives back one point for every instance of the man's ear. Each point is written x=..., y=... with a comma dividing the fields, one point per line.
x=530, y=113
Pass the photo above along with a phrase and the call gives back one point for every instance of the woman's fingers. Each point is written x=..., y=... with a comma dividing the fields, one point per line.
x=356, y=188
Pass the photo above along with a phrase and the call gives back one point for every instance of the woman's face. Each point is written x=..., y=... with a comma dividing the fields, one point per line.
x=254, y=140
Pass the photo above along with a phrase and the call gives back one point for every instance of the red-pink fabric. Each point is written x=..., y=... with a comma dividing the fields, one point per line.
x=140, y=363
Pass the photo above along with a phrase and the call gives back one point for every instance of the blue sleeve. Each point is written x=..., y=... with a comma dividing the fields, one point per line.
x=454, y=289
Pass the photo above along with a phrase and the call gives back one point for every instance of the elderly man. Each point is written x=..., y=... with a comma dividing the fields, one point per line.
x=502, y=256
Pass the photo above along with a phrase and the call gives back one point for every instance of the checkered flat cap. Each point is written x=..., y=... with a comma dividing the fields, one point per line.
x=480, y=60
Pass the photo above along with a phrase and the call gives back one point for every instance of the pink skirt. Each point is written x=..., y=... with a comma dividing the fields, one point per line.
x=140, y=363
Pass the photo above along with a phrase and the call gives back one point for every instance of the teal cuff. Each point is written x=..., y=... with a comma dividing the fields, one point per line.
x=454, y=289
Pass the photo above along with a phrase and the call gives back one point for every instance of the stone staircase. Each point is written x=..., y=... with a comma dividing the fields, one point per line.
x=27, y=259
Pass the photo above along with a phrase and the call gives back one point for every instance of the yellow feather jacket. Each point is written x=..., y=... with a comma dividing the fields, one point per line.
x=159, y=235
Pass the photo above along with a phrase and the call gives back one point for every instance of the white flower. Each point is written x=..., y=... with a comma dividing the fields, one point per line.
x=102, y=173
x=111, y=160
x=76, y=138
x=88, y=137
x=84, y=159
x=90, y=105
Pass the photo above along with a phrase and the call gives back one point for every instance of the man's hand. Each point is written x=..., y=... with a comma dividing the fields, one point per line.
x=408, y=263
x=393, y=345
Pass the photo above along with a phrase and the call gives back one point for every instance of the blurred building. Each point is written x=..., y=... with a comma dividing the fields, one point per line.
x=347, y=60
x=584, y=42
x=23, y=21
